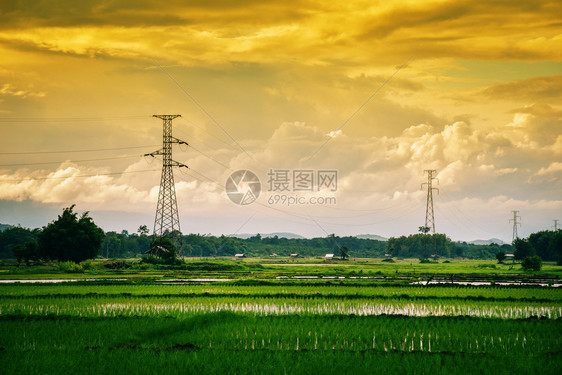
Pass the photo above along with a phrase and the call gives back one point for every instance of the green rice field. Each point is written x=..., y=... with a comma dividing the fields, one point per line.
x=293, y=326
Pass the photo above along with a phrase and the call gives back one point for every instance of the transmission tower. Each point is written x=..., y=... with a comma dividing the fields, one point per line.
x=167, y=222
x=429, y=217
x=515, y=224
x=555, y=226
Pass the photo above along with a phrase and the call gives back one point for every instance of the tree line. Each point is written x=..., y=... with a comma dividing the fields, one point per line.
x=546, y=244
x=75, y=238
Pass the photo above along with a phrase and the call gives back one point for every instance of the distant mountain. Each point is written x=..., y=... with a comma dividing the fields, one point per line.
x=3, y=227
x=268, y=235
x=487, y=242
x=371, y=237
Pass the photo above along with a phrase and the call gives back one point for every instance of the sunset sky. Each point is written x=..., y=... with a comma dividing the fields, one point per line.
x=473, y=91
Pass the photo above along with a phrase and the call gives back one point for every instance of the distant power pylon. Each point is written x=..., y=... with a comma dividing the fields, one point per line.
x=555, y=226
x=429, y=217
x=167, y=222
x=515, y=224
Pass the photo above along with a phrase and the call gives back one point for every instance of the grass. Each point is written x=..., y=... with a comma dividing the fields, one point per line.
x=290, y=288
x=259, y=268
x=226, y=342
x=257, y=324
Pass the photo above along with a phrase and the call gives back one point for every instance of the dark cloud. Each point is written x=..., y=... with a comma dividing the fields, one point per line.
x=535, y=89
x=492, y=29
x=540, y=109
x=444, y=17
x=24, y=14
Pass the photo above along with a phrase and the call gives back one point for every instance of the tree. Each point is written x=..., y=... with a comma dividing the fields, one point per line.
x=533, y=263
x=423, y=229
x=523, y=249
x=143, y=230
x=344, y=253
x=500, y=256
x=28, y=252
x=70, y=238
x=13, y=236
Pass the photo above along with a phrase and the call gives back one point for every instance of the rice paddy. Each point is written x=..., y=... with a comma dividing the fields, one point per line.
x=295, y=327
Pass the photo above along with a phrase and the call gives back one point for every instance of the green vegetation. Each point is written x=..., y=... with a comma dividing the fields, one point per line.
x=407, y=312
x=545, y=244
x=277, y=270
x=500, y=256
x=28, y=253
x=17, y=242
x=533, y=263
x=70, y=238
x=14, y=236
x=129, y=245
x=143, y=328
x=162, y=251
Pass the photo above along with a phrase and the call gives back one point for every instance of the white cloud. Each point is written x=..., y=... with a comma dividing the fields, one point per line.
x=334, y=133
x=554, y=167
x=11, y=90
x=379, y=180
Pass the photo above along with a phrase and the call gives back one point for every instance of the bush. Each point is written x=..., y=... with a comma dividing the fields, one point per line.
x=500, y=256
x=533, y=263
x=149, y=259
x=117, y=265
x=487, y=266
x=70, y=267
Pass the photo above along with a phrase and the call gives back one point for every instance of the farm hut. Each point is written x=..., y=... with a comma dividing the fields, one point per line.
x=329, y=256
x=239, y=256
x=294, y=255
x=273, y=255
x=157, y=251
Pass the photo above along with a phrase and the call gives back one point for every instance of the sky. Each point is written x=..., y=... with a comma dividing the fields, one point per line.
x=379, y=91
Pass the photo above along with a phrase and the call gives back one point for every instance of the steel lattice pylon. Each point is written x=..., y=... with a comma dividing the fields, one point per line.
x=515, y=224
x=429, y=217
x=166, y=221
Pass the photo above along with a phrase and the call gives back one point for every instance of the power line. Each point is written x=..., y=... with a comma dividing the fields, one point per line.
x=74, y=151
x=211, y=158
x=69, y=161
x=207, y=132
x=361, y=106
x=306, y=217
x=201, y=107
x=477, y=228
x=67, y=119
x=76, y=176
